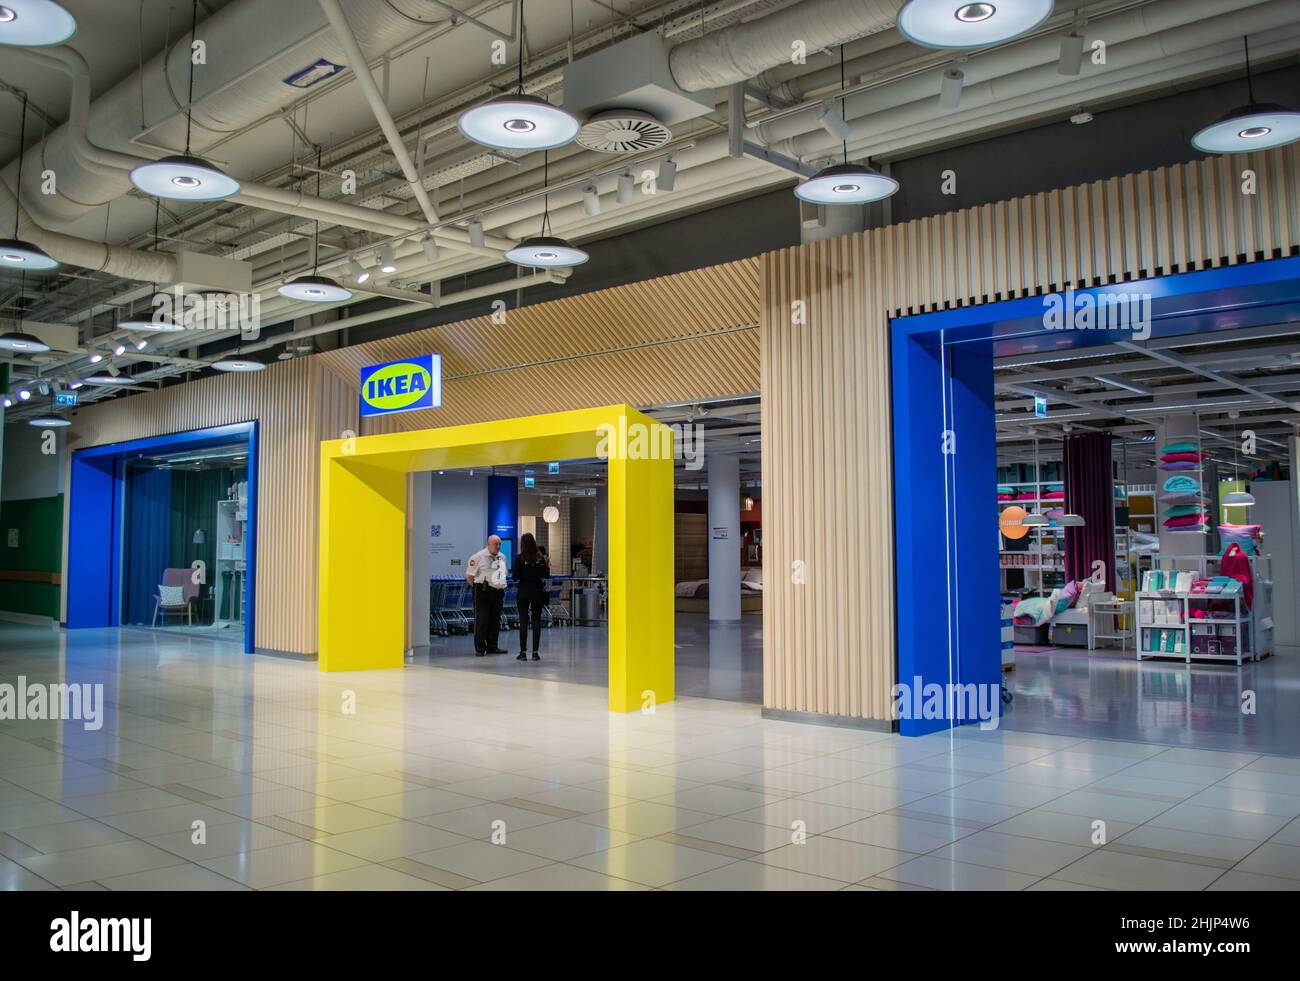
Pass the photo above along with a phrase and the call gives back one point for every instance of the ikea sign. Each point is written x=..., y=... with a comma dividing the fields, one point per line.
x=402, y=386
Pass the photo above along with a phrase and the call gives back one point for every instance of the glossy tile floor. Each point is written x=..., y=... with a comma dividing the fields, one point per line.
x=713, y=660
x=446, y=779
x=1199, y=706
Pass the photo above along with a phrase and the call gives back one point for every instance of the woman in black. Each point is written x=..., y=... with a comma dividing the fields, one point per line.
x=530, y=573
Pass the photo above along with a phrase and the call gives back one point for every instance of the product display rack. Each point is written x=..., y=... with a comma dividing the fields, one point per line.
x=230, y=577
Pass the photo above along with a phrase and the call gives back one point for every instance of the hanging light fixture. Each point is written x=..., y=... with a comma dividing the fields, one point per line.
x=15, y=253
x=33, y=23
x=387, y=261
x=955, y=24
x=313, y=288
x=546, y=251
x=238, y=363
x=156, y=322
x=182, y=176
x=1034, y=521
x=1239, y=499
x=846, y=183
x=1070, y=521
x=519, y=121
x=16, y=340
x=52, y=421
x=1254, y=126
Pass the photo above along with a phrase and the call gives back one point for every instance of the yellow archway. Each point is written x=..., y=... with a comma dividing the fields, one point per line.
x=363, y=534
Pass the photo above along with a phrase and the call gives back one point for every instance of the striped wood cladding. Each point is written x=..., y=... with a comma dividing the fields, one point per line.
x=828, y=644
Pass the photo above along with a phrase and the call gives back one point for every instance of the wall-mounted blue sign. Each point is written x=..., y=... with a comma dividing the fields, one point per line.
x=402, y=386
x=65, y=398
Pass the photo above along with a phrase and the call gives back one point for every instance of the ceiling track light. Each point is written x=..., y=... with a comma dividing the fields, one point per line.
x=953, y=24
x=950, y=87
x=141, y=343
x=429, y=246
x=35, y=23
x=119, y=348
x=1071, y=60
x=834, y=123
x=1254, y=126
x=359, y=272
x=387, y=259
x=591, y=200
x=667, y=177
x=626, y=187
x=475, y=229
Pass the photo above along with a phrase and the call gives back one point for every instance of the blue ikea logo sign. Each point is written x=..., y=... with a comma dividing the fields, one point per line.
x=402, y=386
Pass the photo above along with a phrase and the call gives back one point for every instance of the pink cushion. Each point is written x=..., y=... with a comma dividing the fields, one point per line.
x=1171, y=457
x=1189, y=521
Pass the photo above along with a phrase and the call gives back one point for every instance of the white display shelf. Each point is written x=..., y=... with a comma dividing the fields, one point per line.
x=1245, y=649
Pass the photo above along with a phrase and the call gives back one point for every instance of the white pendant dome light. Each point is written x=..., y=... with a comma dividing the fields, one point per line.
x=236, y=363
x=846, y=183
x=17, y=341
x=33, y=23
x=1238, y=499
x=546, y=251
x=313, y=288
x=15, y=253
x=50, y=422
x=519, y=121
x=20, y=255
x=183, y=177
x=1254, y=126
x=1034, y=521
x=1071, y=521
x=958, y=24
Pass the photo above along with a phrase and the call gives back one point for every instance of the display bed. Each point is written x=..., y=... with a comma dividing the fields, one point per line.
x=749, y=603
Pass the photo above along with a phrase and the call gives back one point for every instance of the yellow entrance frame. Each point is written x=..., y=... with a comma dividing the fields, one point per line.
x=363, y=534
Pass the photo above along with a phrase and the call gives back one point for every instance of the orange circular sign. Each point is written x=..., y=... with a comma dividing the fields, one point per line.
x=1009, y=522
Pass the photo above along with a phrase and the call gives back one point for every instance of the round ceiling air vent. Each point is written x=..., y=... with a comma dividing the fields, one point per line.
x=623, y=131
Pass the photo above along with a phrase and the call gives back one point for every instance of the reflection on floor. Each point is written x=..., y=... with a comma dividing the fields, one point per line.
x=296, y=793
x=1109, y=695
x=713, y=660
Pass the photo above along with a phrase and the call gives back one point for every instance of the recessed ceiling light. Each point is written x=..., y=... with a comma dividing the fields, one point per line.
x=16, y=340
x=184, y=178
x=846, y=184
x=238, y=364
x=315, y=289
x=546, y=252
x=954, y=24
x=24, y=256
x=1258, y=126
x=518, y=122
x=35, y=22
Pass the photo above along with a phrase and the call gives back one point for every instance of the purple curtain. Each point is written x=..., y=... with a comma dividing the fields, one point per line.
x=1090, y=493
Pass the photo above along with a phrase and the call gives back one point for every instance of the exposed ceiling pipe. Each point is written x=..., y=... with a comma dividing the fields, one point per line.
x=737, y=54
x=357, y=60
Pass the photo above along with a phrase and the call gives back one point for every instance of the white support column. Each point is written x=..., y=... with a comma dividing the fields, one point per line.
x=724, y=538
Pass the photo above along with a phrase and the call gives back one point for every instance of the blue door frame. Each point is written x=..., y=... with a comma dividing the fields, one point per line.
x=97, y=490
x=945, y=449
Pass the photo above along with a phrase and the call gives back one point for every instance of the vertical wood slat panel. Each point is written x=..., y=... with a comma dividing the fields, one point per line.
x=1186, y=216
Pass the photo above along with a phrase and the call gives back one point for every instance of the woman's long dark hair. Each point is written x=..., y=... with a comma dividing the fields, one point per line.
x=528, y=548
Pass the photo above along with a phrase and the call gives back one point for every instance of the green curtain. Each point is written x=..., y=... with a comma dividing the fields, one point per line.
x=194, y=506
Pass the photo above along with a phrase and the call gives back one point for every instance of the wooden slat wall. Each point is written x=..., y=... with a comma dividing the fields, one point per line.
x=689, y=335
x=828, y=644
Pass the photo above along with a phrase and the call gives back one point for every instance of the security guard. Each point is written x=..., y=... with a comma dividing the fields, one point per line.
x=487, y=572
